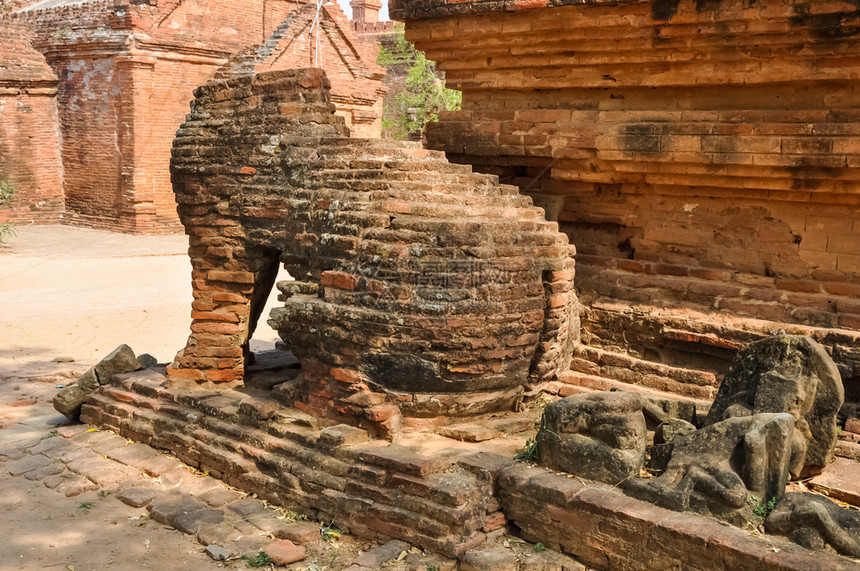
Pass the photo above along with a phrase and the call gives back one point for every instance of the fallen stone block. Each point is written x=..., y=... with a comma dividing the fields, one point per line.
x=284, y=552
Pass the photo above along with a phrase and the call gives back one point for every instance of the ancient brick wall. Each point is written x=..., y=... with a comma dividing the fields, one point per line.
x=29, y=131
x=350, y=63
x=422, y=290
x=127, y=71
x=702, y=156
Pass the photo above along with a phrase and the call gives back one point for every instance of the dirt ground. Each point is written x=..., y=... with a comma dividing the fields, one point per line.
x=72, y=293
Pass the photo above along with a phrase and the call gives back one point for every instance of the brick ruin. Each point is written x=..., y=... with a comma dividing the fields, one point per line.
x=29, y=141
x=125, y=71
x=673, y=142
x=350, y=64
x=702, y=156
x=404, y=305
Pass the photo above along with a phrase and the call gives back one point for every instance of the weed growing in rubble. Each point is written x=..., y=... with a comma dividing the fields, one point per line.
x=528, y=453
x=7, y=195
x=261, y=559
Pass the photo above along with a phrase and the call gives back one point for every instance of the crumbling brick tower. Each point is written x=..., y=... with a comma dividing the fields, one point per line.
x=702, y=155
x=423, y=291
x=324, y=39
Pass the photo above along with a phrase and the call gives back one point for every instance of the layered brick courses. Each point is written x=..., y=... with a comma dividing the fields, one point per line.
x=327, y=41
x=422, y=290
x=447, y=499
x=701, y=155
x=29, y=131
x=127, y=69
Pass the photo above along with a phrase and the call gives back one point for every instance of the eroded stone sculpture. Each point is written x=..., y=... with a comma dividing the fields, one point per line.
x=815, y=522
x=725, y=468
x=598, y=436
x=791, y=374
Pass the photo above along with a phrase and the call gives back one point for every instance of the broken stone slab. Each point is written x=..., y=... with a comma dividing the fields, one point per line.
x=727, y=469
x=787, y=374
x=376, y=557
x=136, y=497
x=166, y=507
x=76, y=486
x=840, y=480
x=11, y=453
x=217, y=497
x=815, y=522
x=301, y=533
x=42, y=473
x=190, y=522
x=468, y=432
x=284, y=552
x=26, y=464
x=494, y=558
x=598, y=436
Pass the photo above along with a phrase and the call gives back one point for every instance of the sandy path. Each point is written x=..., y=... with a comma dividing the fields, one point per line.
x=75, y=292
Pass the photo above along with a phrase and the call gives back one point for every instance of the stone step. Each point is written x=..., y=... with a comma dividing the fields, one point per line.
x=597, y=383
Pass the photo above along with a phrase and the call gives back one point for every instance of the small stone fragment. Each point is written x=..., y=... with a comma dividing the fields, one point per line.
x=147, y=361
x=671, y=429
x=218, y=553
x=376, y=557
x=88, y=380
x=284, y=552
x=69, y=400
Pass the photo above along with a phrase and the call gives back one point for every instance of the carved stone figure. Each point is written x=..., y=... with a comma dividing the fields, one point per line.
x=725, y=469
x=791, y=374
x=814, y=522
x=598, y=436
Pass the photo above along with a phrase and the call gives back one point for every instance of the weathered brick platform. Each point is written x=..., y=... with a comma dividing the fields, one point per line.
x=440, y=494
